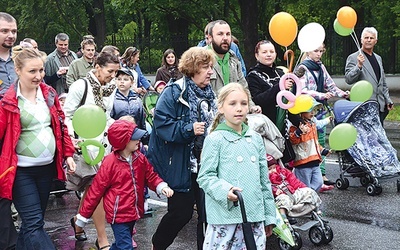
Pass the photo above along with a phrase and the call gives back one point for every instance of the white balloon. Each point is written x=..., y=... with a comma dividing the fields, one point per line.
x=310, y=37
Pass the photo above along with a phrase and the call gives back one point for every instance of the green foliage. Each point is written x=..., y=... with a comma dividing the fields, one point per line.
x=148, y=24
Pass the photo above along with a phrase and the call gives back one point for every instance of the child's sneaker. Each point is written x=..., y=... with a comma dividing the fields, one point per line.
x=326, y=188
x=134, y=244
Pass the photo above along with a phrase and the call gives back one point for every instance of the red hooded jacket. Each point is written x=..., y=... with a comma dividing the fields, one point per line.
x=123, y=196
x=10, y=130
x=283, y=174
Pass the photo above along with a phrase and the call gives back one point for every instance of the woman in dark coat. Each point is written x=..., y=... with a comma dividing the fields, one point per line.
x=169, y=69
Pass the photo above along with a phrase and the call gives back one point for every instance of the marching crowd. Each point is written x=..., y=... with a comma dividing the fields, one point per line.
x=197, y=149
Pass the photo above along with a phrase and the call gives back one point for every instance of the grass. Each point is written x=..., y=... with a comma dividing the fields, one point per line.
x=394, y=114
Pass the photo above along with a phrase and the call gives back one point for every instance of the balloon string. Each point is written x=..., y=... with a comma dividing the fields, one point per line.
x=299, y=59
x=354, y=37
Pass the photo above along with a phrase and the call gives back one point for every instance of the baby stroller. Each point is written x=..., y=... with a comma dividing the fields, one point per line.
x=149, y=102
x=371, y=158
x=319, y=231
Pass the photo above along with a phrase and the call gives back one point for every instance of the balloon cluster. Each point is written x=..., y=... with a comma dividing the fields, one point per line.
x=89, y=121
x=346, y=19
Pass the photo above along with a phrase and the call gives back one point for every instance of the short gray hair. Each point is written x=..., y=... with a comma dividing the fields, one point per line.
x=371, y=30
x=61, y=37
x=7, y=17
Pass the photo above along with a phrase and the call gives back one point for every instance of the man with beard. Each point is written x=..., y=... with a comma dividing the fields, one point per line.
x=79, y=67
x=228, y=68
x=8, y=36
x=60, y=58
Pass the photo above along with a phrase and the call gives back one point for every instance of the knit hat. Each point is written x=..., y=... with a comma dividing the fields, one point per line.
x=121, y=132
x=63, y=95
x=271, y=160
x=159, y=83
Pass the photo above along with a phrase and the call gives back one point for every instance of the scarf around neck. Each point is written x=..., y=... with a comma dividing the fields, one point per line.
x=316, y=66
x=99, y=91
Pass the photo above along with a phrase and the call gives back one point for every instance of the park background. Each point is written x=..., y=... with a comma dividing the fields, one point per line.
x=155, y=25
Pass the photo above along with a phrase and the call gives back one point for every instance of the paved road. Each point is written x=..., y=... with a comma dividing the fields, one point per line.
x=358, y=221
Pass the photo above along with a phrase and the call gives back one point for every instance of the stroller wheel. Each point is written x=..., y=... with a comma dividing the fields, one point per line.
x=372, y=190
x=317, y=235
x=328, y=234
x=364, y=181
x=297, y=241
x=398, y=185
x=342, y=184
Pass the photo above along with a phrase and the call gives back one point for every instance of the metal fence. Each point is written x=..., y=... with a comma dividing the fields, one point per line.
x=337, y=50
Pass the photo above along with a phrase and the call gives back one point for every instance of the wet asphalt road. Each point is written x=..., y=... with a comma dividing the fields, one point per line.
x=358, y=221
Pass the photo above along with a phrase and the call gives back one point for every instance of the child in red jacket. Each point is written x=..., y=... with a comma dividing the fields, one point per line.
x=120, y=182
x=292, y=196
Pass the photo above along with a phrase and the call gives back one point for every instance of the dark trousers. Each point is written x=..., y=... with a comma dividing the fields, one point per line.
x=382, y=115
x=8, y=234
x=180, y=211
x=31, y=192
x=122, y=235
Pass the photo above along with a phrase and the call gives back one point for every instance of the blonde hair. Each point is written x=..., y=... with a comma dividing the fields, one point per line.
x=128, y=118
x=25, y=54
x=222, y=94
x=193, y=59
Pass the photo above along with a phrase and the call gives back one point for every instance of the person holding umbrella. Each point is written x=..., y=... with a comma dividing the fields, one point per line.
x=221, y=175
x=175, y=128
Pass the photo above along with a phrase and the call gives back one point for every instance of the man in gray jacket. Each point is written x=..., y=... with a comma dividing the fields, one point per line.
x=358, y=68
x=61, y=57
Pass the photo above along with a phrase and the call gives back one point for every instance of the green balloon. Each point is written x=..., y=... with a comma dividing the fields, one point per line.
x=340, y=29
x=361, y=91
x=342, y=136
x=86, y=155
x=89, y=121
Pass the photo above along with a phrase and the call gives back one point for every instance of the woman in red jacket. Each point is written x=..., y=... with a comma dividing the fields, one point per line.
x=292, y=196
x=35, y=144
x=120, y=182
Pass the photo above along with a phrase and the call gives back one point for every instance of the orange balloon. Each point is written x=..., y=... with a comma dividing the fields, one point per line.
x=347, y=17
x=283, y=28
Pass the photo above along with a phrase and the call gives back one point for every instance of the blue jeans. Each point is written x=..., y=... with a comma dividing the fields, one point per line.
x=312, y=177
x=122, y=235
x=31, y=192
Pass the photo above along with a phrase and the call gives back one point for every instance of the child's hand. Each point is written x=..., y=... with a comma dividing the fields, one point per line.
x=231, y=195
x=268, y=230
x=167, y=191
x=304, y=128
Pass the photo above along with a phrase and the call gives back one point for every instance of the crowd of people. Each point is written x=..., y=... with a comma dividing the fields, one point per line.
x=199, y=122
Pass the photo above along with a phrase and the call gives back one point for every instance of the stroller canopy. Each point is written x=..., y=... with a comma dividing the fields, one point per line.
x=342, y=109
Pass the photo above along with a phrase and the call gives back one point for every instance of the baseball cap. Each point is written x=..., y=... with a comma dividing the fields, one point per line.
x=315, y=104
x=138, y=134
x=124, y=71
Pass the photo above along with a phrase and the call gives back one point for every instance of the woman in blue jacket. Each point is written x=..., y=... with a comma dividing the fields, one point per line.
x=172, y=142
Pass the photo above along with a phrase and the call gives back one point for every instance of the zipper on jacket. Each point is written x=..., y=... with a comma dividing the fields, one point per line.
x=115, y=209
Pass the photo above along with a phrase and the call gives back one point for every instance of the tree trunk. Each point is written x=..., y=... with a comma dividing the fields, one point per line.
x=249, y=14
x=97, y=21
x=179, y=31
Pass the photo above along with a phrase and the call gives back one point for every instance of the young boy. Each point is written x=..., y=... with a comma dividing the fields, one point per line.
x=292, y=197
x=308, y=151
x=120, y=182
